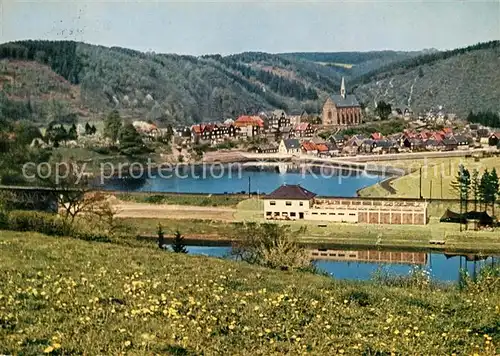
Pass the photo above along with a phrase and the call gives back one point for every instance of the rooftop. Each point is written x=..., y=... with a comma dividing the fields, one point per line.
x=291, y=192
x=348, y=101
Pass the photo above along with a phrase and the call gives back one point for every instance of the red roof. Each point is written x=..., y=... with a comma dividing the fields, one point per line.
x=377, y=136
x=322, y=147
x=309, y=146
x=302, y=126
x=246, y=120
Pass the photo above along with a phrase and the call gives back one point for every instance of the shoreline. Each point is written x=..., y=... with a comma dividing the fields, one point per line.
x=211, y=241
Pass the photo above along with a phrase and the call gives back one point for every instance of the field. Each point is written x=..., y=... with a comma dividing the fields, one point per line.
x=183, y=199
x=437, y=175
x=66, y=296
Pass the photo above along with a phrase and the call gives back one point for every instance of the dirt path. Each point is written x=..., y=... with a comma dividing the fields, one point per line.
x=142, y=210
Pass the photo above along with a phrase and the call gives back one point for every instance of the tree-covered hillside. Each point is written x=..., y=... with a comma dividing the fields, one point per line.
x=168, y=88
x=460, y=80
x=43, y=81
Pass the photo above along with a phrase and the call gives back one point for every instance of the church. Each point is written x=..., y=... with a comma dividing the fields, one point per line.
x=341, y=110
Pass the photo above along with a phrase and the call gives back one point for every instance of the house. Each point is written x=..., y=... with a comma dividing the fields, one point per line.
x=229, y=130
x=288, y=202
x=376, y=136
x=341, y=110
x=146, y=129
x=450, y=144
x=289, y=146
x=434, y=145
x=293, y=202
x=304, y=129
x=286, y=132
x=249, y=126
x=324, y=149
x=270, y=148
x=309, y=148
x=385, y=146
x=278, y=119
x=295, y=120
x=339, y=140
x=367, y=146
x=494, y=139
x=463, y=142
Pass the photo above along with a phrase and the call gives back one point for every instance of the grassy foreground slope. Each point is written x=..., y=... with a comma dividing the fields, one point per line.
x=65, y=296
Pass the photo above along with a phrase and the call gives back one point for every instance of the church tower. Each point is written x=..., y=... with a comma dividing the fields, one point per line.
x=342, y=89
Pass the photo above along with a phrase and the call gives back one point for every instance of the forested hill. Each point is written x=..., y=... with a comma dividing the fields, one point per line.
x=460, y=80
x=58, y=80
x=160, y=87
x=355, y=64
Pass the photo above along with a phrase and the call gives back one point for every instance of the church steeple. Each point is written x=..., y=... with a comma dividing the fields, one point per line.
x=342, y=89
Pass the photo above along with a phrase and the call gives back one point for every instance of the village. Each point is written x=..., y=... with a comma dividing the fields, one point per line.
x=325, y=135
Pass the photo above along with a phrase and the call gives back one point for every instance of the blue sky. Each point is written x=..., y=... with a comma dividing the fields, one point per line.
x=234, y=26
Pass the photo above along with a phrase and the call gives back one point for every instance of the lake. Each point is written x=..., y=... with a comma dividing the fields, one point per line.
x=442, y=267
x=327, y=181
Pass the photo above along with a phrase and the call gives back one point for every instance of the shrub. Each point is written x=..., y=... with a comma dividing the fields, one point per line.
x=271, y=245
x=417, y=277
x=155, y=199
x=487, y=280
x=45, y=223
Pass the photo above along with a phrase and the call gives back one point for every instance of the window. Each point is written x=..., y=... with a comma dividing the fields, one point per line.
x=272, y=203
x=292, y=214
x=332, y=213
x=288, y=203
x=341, y=214
x=269, y=213
x=284, y=213
x=323, y=213
x=352, y=214
x=301, y=203
x=315, y=213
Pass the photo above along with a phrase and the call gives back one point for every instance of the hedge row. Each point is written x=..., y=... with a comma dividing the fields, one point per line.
x=48, y=224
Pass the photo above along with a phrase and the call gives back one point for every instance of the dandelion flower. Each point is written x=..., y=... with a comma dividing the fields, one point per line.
x=48, y=349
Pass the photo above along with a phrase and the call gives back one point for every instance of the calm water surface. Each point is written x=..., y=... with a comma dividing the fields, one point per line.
x=441, y=267
x=325, y=181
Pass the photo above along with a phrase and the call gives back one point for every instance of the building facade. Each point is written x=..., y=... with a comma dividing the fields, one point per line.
x=292, y=202
x=341, y=110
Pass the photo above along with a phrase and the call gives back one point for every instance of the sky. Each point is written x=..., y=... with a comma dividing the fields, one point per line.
x=202, y=27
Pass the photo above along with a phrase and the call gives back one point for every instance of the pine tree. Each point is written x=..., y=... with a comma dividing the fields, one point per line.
x=112, y=125
x=131, y=143
x=484, y=189
x=475, y=181
x=462, y=186
x=495, y=189
x=178, y=245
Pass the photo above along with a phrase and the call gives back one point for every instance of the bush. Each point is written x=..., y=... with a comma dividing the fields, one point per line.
x=45, y=223
x=273, y=246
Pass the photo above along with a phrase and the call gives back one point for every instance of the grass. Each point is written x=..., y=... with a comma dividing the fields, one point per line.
x=183, y=199
x=66, y=296
x=402, y=236
x=437, y=175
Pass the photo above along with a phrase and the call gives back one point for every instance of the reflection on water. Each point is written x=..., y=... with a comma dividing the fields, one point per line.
x=362, y=264
x=323, y=181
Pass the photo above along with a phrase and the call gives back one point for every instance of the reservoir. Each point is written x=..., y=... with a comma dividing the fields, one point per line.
x=363, y=264
x=327, y=181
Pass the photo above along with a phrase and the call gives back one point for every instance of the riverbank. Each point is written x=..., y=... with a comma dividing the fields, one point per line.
x=358, y=235
x=67, y=296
